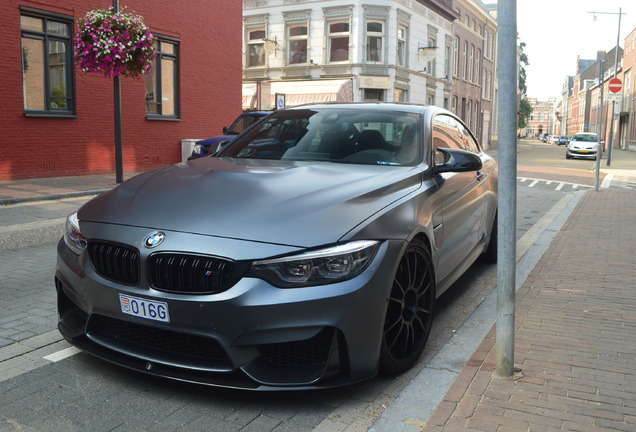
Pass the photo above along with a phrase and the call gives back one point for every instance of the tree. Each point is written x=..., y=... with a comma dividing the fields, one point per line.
x=523, y=60
x=525, y=109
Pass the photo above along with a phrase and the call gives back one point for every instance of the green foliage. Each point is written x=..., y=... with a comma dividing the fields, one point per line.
x=525, y=109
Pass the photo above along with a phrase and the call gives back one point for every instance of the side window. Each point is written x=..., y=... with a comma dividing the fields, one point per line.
x=468, y=141
x=47, y=64
x=162, y=82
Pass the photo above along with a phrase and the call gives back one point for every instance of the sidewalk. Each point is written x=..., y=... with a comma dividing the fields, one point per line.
x=16, y=191
x=575, y=335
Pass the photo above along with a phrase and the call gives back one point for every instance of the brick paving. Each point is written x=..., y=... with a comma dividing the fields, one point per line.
x=575, y=343
x=575, y=337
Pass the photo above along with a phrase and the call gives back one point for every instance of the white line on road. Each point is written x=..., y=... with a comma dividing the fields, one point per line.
x=61, y=355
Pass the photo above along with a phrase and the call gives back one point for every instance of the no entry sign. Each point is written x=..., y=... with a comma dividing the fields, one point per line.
x=615, y=85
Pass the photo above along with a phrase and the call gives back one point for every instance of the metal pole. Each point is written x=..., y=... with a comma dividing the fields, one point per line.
x=611, y=137
x=119, y=165
x=600, y=126
x=508, y=70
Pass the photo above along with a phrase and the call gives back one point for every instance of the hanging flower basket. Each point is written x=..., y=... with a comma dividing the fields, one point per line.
x=113, y=44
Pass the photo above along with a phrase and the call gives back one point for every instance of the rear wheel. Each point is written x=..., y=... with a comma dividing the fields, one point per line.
x=409, y=315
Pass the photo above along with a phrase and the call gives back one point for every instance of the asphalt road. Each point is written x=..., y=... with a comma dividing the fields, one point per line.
x=47, y=386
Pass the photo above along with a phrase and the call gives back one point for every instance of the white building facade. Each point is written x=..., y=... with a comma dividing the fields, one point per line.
x=357, y=50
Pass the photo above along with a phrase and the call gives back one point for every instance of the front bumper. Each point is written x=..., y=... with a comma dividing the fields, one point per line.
x=581, y=153
x=252, y=336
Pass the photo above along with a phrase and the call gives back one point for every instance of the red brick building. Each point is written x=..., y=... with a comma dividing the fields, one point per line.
x=59, y=121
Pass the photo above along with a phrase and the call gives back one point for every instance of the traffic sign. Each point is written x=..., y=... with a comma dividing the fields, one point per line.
x=615, y=85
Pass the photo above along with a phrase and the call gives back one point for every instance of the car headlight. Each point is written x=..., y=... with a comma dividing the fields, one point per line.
x=73, y=236
x=319, y=267
x=196, y=149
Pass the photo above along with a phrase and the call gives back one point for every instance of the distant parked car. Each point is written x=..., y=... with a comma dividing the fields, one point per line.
x=543, y=137
x=564, y=140
x=246, y=119
x=554, y=139
x=582, y=145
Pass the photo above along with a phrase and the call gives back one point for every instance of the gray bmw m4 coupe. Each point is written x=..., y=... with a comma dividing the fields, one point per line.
x=307, y=253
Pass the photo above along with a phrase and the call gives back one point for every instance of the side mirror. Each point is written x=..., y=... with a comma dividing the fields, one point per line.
x=456, y=160
x=215, y=148
x=224, y=130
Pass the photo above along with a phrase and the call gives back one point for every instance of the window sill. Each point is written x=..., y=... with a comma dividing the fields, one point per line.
x=162, y=118
x=50, y=115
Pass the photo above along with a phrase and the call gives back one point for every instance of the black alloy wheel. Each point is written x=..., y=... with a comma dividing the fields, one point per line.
x=409, y=314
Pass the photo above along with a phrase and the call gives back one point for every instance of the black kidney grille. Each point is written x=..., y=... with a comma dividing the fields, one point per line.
x=114, y=261
x=192, y=274
x=165, y=344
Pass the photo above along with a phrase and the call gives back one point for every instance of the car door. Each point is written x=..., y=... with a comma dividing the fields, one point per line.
x=462, y=215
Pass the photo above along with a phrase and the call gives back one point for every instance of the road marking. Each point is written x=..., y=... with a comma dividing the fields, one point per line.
x=560, y=186
x=533, y=183
x=62, y=354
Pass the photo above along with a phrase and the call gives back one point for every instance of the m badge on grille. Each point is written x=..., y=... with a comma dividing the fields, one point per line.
x=154, y=240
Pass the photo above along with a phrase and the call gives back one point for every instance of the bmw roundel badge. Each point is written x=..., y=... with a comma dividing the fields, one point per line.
x=154, y=239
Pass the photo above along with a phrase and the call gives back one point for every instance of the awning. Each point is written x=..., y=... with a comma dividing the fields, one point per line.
x=301, y=92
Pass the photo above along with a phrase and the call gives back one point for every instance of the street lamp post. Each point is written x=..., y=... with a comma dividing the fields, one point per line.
x=119, y=165
x=618, y=38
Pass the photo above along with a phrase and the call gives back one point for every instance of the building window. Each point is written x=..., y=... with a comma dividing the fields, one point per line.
x=465, y=60
x=375, y=38
x=400, y=95
x=471, y=64
x=431, y=65
x=401, y=46
x=456, y=56
x=447, y=59
x=162, y=81
x=338, y=41
x=256, y=47
x=374, y=95
x=47, y=63
x=430, y=99
x=478, y=66
x=454, y=104
x=297, y=37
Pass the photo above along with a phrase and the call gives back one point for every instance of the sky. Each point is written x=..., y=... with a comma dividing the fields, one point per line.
x=557, y=31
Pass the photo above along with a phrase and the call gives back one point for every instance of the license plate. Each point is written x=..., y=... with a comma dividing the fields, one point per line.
x=583, y=151
x=144, y=308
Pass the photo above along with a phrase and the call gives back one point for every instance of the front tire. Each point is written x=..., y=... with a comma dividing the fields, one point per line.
x=409, y=314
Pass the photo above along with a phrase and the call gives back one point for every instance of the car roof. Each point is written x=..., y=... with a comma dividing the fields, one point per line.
x=376, y=106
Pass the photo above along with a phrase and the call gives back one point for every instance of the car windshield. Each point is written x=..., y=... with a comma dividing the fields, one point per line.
x=242, y=123
x=334, y=135
x=586, y=138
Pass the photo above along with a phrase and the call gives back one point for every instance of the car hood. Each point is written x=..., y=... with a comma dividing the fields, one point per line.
x=218, y=138
x=300, y=204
